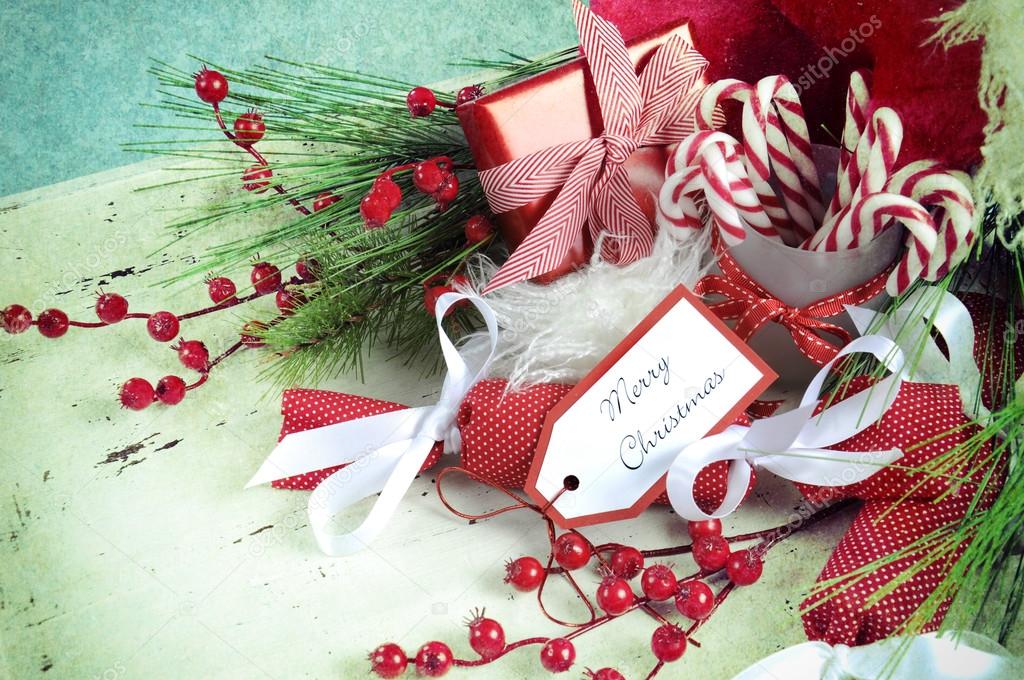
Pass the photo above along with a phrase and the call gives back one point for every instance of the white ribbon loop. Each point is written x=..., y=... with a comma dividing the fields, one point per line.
x=957, y=656
x=383, y=453
x=795, y=445
x=908, y=325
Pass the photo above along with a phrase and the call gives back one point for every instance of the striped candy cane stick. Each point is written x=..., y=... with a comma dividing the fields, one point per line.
x=949, y=194
x=729, y=190
x=774, y=122
x=872, y=214
x=755, y=147
x=858, y=99
x=680, y=204
x=873, y=161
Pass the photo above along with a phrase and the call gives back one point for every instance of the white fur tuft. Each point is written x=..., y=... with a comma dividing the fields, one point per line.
x=559, y=331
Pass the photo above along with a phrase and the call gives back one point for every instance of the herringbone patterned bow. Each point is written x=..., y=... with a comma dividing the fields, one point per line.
x=653, y=108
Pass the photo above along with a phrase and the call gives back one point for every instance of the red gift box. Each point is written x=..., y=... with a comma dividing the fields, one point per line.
x=552, y=108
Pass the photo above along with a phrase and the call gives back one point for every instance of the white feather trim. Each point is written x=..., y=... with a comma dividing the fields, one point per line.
x=559, y=331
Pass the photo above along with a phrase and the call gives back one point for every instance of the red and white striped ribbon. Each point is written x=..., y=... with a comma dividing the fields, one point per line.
x=651, y=109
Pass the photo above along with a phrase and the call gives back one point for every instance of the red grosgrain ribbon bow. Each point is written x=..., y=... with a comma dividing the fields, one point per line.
x=637, y=111
x=752, y=306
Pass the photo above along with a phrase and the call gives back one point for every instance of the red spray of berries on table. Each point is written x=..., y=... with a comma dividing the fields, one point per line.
x=617, y=595
x=164, y=326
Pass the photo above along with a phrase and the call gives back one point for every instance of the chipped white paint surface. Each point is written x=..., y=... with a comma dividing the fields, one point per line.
x=130, y=550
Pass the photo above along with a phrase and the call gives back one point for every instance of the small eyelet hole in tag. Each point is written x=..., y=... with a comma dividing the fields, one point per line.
x=571, y=483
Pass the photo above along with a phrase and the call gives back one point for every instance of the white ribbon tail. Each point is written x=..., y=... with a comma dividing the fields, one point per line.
x=324, y=447
x=391, y=470
x=828, y=467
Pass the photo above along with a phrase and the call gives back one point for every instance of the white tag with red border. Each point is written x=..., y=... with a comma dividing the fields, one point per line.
x=680, y=375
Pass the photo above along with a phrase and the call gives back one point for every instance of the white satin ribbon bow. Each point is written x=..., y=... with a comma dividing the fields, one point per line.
x=971, y=656
x=908, y=325
x=795, y=444
x=383, y=453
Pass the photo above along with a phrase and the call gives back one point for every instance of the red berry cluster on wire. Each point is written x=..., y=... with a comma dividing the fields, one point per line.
x=434, y=177
x=163, y=326
x=657, y=585
x=422, y=101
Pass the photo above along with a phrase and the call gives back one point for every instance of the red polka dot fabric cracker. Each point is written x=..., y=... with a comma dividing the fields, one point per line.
x=903, y=506
x=499, y=433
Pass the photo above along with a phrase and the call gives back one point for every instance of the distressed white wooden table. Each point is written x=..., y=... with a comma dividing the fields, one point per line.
x=130, y=550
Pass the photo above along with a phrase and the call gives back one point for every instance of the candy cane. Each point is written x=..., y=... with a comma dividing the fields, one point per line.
x=858, y=99
x=679, y=211
x=725, y=175
x=928, y=183
x=774, y=123
x=872, y=215
x=872, y=162
x=755, y=156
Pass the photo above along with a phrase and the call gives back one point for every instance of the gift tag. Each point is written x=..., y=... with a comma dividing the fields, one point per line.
x=680, y=375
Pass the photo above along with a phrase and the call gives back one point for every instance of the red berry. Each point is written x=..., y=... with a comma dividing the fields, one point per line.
x=16, y=319
x=658, y=582
x=324, y=199
x=461, y=282
x=265, y=277
x=744, y=567
x=307, y=269
x=626, y=562
x=615, y=596
x=448, y=191
x=193, y=354
x=162, y=326
x=387, y=188
x=708, y=527
x=710, y=552
x=388, y=660
x=478, y=229
x=468, y=94
x=605, y=674
x=136, y=394
x=557, y=655
x=486, y=637
x=695, y=600
x=427, y=176
x=220, y=289
x=170, y=390
x=288, y=300
x=431, y=295
x=668, y=643
x=211, y=86
x=525, y=574
x=249, y=128
x=52, y=323
x=256, y=178
x=249, y=334
x=375, y=210
x=434, y=659
x=421, y=101
x=571, y=551
x=111, y=307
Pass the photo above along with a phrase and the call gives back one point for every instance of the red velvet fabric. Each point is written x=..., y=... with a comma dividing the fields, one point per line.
x=934, y=90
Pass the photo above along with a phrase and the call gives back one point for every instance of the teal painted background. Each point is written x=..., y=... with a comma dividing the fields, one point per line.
x=73, y=73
